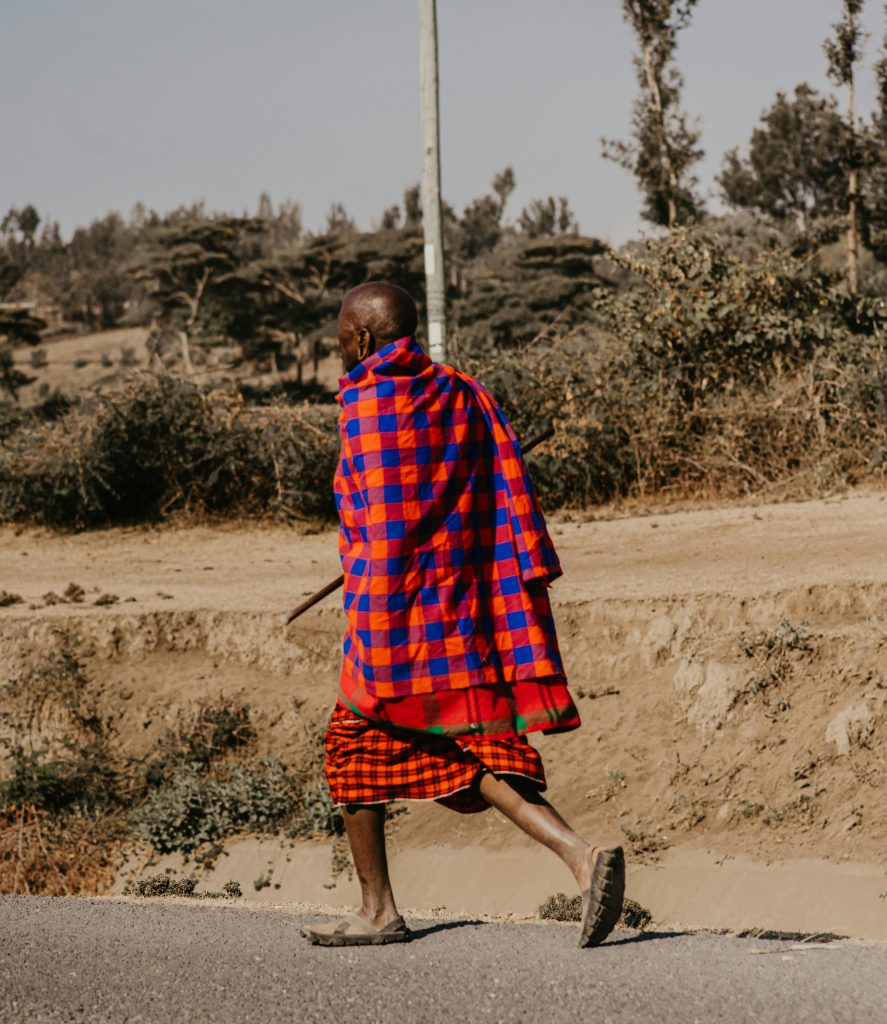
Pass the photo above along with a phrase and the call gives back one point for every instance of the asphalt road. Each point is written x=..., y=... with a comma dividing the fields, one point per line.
x=109, y=961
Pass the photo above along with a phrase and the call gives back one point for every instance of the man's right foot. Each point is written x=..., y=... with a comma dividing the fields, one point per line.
x=602, y=900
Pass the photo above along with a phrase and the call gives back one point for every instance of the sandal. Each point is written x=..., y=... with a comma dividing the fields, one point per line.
x=355, y=930
x=603, y=898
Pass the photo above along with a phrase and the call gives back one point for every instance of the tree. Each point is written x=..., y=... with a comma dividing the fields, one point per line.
x=339, y=220
x=665, y=147
x=184, y=267
x=843, y=52
x=18, y=326
x=875, y=207
x=794, y=170
x=97, y=288
x=503, y=185
x=23, y=222
x=412, y=207
x=520, y=291
x=545, y=218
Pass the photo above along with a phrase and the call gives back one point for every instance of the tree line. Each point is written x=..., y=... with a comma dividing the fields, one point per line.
x=812, y=174
x=811, y=166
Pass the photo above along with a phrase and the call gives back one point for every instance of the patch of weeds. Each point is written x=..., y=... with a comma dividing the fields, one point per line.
x=190, y=809
x=319, y=815
x=74, y=593
x=635, y=916
x=208, y=857
x=608, y=691
x=749, y=809
x=801, y=809
x=772, y=817
x=340, y=858
x=642, y=841
x=772, y=652
x=83, y=780
x=166, y=885
x=561, y=907
x=58, y=678
x=215, y=730
x=106, y=599
x=263, y=881
x=690, y=812
x=7, y=599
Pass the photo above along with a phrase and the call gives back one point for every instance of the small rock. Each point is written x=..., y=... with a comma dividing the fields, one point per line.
x=850, y=728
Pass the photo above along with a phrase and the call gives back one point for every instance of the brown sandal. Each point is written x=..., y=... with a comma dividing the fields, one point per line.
x=355, y=930
x=603, y=898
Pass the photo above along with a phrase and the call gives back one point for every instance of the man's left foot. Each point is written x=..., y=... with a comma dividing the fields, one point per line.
x=355, y=930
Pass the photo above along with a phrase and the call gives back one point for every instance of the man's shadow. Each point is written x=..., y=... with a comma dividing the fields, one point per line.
x=442, y=926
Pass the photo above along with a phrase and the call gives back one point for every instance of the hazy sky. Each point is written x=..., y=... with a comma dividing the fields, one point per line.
x=106, y=102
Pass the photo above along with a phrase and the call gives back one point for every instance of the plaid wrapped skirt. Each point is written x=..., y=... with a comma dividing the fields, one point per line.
x=372, y=763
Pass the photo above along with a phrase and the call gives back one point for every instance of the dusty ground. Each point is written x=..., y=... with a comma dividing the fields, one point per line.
x=77, y=362
x=106, y=960
x=708, y=725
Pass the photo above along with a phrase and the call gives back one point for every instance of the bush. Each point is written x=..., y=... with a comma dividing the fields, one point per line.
x=190, y=810
x=216, y=730
x=84, y=780
x=159, y=445
x=711, y=374
x=166, y=885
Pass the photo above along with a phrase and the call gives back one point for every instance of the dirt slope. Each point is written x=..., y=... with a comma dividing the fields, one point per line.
x=708, y=725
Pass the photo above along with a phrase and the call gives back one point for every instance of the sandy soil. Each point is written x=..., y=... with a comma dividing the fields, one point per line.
x=708, y=727
x=78, y=362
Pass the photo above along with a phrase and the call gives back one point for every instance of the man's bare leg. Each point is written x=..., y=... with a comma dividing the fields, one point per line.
x=523, y=804
x=365, y=825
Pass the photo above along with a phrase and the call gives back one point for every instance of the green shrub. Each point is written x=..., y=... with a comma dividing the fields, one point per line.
x=166, y=885
x=190, y=809
x=215, y=730
x=318, y=814
x=711, y=374
x=83, y=780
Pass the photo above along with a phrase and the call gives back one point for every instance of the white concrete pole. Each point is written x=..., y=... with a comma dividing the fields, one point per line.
x=431, y=210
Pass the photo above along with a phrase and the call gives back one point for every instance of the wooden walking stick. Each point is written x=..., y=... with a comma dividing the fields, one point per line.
x=336, y=583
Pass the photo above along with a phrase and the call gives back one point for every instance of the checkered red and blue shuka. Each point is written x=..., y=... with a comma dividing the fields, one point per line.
x=447, y=562
x=445, y=552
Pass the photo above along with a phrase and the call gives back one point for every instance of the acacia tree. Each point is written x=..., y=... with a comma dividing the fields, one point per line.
x=794, y=170
x=18, y=326
x=665, y=147
x=875, y=205
x=843, y=52
x=182, y=266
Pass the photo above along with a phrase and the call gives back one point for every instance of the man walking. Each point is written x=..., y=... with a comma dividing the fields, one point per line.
x=450, y=654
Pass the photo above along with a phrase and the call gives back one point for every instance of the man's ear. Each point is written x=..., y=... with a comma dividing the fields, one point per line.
x=365, y=343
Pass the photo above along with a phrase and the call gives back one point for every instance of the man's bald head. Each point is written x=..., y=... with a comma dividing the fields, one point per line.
x=373, y=314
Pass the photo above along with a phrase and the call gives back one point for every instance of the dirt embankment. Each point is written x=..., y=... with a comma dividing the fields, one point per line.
x=730, y=665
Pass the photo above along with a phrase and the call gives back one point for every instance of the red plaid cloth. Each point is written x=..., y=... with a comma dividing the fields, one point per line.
x=495, y=710
x=444, y=548
x=373, y=764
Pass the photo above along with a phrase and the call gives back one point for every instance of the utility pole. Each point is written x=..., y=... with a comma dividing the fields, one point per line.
x=431, y=210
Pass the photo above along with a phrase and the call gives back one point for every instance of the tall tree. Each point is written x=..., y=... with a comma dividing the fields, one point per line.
x=184, y=266
x=794, y=170
x=18, y=326
x=874, y=208
x=665, y=147
x=843, y=51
